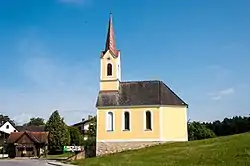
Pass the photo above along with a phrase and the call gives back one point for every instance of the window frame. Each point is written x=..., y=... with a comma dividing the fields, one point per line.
x=145, y=120
x=123, y=120
x=110, y=121
x=109, y=69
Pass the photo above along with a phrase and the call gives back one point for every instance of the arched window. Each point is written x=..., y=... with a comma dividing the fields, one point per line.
x=109, y=69
x=126, y=121
x=110, y=121
x=148, y=120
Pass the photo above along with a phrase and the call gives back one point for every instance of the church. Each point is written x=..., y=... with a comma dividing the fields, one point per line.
x=134, y=114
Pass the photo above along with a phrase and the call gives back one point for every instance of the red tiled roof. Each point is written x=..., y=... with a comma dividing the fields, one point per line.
x=110, y=41
x=38, y=137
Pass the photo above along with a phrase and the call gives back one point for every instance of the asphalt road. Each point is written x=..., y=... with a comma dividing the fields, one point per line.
x=16, y=162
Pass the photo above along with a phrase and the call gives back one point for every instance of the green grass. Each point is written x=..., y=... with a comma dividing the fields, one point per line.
x=59, y=156
x=223, y=151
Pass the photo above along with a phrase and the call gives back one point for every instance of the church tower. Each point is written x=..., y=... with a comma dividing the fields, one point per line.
x=110, y=74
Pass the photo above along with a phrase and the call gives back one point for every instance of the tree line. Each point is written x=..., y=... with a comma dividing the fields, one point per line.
x=60, y=134
x=228, y=126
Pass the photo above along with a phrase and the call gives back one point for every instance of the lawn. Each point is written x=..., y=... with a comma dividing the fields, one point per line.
x=223, y=151
x=59, y=156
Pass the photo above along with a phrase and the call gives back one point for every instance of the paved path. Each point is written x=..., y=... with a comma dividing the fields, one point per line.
x=23, y=162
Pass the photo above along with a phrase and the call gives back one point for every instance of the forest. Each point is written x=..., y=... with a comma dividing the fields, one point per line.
x=228, y=126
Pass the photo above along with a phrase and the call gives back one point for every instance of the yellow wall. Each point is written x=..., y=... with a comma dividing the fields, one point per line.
x=174, y=123
x=169, y=123
x=137, y=125
x=109, y=85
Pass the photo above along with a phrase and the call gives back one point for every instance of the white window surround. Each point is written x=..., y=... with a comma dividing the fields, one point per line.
x=110, y=121
x=123, y=120
x=145, y=121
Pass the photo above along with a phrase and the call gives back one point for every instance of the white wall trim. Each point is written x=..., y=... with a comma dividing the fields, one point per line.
x=101, y=74
x=123, y=120
x=186, y=123
x=145, y=120
x=160, y=123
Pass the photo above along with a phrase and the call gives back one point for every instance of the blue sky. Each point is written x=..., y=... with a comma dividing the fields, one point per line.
x=50, y=53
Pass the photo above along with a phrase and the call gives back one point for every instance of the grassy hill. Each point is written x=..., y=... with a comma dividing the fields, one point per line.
x=230, y=150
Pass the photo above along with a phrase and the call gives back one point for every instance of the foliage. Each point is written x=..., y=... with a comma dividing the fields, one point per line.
x=229, y=126
x=92, y=128
x=35, y=122
x=5, y=118
x=91, y=141
x=90, y=147
x=76, y=138
x=198, y=131
x=221, y=151
x=59, y=135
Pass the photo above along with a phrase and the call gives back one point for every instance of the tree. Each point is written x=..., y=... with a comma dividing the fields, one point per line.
x=35, y=122
x=76, y=138
x=198, y=131
x=58, y=133
x=4, y=118
x=92, y=128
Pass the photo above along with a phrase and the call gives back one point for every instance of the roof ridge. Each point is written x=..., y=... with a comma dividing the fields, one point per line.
x=141, y=81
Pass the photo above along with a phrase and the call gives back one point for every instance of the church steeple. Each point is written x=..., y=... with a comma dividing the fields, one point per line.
x=110, y=41
x=110, y=75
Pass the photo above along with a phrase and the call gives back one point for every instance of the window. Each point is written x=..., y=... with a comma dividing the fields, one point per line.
x=7, y=126
x=14, y=130
x=148, y=120
x=110, y=121
x=109, y=69
x=126, y=121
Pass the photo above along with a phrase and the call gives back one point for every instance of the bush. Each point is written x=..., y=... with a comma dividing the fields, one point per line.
x=90, y=147
x=198, y=131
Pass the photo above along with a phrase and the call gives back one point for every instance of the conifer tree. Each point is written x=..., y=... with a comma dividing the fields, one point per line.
x=58, y=133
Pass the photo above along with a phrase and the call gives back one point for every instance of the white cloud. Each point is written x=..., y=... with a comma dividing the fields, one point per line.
x=222, y=93
x=216, y=97
x=49, y=84
x=227, y=91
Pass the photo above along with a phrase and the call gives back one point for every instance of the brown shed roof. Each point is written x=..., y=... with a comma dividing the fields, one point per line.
x=135, y=93
x=38, y=137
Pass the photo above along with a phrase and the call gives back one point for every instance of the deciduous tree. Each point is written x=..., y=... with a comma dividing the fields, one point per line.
x=35, y=122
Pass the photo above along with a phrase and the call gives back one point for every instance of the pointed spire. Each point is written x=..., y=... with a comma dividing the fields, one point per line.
x=110, y=42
